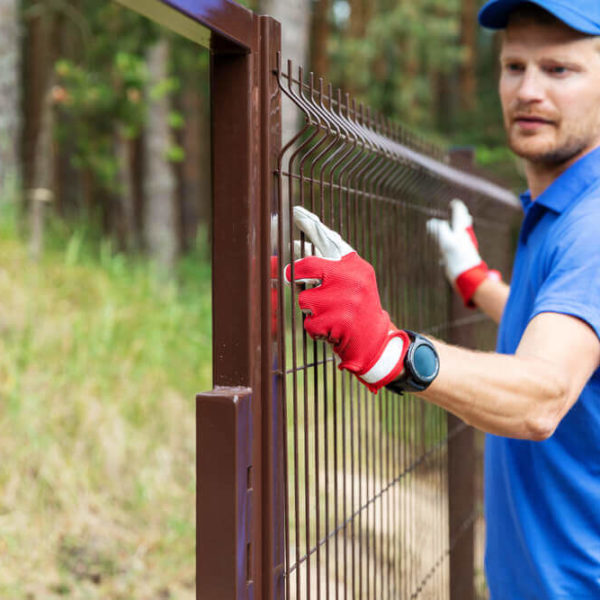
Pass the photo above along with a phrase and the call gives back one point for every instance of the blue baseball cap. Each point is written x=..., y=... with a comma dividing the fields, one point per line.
x=582, y=15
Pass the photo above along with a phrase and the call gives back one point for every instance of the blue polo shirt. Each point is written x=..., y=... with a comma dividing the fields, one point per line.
x=542, y=499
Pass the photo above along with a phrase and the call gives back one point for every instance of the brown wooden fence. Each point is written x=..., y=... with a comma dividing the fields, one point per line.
x=308, y=486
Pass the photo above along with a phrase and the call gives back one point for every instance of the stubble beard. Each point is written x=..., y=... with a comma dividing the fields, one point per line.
x=556, y=154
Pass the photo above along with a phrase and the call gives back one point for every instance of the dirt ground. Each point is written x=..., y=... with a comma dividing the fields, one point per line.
x=397, y=549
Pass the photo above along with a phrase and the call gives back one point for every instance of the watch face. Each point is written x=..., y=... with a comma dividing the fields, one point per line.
x=425, y=362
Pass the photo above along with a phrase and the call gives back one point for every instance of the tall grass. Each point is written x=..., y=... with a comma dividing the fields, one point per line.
x=100, y=359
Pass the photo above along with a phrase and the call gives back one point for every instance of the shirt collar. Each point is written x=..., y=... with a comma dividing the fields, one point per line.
x=569, y=185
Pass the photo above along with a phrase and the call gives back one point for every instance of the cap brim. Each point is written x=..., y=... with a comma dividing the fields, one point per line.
x=495, y=14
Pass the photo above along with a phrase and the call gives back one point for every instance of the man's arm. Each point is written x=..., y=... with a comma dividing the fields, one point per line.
x=491, y=297
x=523, y=395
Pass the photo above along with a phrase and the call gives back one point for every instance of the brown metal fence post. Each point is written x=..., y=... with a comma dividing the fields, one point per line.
x=271, y=441
x=224, y=552
x=461, y=464
x=461, y=506
x=228, y=419
x=238, y=550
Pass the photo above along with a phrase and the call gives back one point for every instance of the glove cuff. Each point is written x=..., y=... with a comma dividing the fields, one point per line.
x=389, y=364
x=468, y=282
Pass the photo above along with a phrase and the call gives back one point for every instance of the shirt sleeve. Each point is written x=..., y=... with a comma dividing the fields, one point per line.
x=572, y=286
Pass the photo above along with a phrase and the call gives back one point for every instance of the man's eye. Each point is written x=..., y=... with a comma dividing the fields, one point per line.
x=557, y=70
x=514, y=67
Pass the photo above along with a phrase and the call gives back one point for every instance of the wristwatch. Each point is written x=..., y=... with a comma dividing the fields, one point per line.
x=421, y=366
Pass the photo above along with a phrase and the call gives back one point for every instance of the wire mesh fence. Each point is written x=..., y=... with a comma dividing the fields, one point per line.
x=368, y=479
x=308, y=485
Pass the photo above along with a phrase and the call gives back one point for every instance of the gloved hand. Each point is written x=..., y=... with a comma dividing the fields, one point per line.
x=299, y=248
x=460, y=251
x=344, y=308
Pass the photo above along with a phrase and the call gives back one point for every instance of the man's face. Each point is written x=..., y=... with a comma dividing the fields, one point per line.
x=550, y=93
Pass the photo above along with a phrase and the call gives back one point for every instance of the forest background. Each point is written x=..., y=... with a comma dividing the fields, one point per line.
x=104, y=259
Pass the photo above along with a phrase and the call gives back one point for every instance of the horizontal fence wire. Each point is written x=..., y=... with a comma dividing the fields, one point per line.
x=366, y=476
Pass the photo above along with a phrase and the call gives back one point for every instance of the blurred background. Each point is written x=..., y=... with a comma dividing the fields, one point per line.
x=105, y=316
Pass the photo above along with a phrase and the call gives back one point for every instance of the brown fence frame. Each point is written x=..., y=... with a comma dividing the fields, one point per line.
x=239, y=548
x=240, y=507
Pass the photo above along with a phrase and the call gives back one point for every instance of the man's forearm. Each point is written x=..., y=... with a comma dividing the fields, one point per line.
x=491, y=297
x=506, y=395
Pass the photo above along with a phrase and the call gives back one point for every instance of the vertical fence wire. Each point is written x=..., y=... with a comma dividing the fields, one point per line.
x=366, y=485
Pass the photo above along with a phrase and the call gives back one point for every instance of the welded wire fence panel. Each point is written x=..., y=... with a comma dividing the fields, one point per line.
x=366, y=494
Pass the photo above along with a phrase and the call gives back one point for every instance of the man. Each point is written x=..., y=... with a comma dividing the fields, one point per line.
x=538, y=397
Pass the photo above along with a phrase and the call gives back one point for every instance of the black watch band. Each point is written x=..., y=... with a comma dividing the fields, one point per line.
x=421, y=366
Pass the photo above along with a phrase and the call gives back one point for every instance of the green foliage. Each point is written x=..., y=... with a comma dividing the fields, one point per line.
x=406, y=65
x=101, y=93
x=164, y=88
x=503, y=164
x=92, y=106
x=104, y=93
x=390, y=67
x=176, y=120
x=175, y=153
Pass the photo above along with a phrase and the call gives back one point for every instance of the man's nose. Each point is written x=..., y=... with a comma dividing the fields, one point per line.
x=531, y=86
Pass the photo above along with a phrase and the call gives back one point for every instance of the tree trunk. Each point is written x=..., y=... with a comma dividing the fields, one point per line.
x=194, y=171
x=294, y=16
x=443, y=114
x=9, y=97
x=468, y=40
x=320, y=37
x=160, y=186
x=40, y=194
x=37, y=53
x=360, y=15
x=67, y=44
x=124, y=224
x=137, y=165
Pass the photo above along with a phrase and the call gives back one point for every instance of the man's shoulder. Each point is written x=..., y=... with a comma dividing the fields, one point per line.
x=574, y=235
x=584, y=212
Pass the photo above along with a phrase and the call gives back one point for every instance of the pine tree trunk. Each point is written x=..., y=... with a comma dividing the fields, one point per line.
x=160, y=185
x=320, y=37
x=37, y=54
x=194, y=171
x=468, y=40
x=9, y=97
x=40, y=194
x=361, y=12
x=124, y=225
x=360, y=15
x=67, y=44
x=137, y=151
x=294, y=16
x=443, y=101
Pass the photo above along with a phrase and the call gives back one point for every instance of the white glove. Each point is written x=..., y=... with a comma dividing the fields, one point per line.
x=459, y=250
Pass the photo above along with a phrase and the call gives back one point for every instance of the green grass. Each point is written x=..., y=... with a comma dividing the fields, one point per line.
x=100, y=360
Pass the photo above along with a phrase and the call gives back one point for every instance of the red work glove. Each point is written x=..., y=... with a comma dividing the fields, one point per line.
x=344, y=308
x=460, y=252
